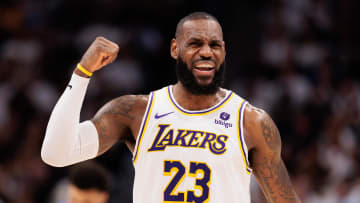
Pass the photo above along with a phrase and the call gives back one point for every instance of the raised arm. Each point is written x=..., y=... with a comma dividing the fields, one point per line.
x=66, y=141
x=265, y=157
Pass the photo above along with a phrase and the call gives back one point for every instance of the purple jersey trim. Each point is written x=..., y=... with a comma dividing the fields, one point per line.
x=144, y=125
x=200, y=111
x=241, y=136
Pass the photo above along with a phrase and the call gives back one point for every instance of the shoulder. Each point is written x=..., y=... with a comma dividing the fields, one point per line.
x=253, y=115
x=260, y=129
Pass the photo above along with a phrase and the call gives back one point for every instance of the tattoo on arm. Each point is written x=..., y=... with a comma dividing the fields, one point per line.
x=269, y=168
x=270, y=133
x=123, y=107
x=105, y=140
x=275, y=181
x=105, y=120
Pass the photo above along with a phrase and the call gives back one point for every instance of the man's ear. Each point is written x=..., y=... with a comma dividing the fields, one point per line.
x=174, y=49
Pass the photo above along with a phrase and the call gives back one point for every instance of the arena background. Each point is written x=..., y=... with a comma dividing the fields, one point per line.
x=297, y=59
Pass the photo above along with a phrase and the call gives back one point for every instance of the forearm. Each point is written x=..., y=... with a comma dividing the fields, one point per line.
x=274, y=181
x=66, y=141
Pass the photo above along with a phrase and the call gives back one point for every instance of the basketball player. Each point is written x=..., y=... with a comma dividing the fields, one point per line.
x=88, y=182
x=191, y=142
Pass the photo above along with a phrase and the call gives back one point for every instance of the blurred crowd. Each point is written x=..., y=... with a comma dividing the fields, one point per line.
x=293, y=58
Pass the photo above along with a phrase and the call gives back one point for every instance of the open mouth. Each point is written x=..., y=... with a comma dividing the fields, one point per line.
x=204, y=68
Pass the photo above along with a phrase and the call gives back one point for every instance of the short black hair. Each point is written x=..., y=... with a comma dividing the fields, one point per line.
x=194, y=16
x=90, y=175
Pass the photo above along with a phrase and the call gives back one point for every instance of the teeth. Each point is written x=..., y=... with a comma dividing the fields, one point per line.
x=204, y=66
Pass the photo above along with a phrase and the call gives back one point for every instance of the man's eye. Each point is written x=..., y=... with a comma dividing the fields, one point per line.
x=216, y=45
x=194, y=44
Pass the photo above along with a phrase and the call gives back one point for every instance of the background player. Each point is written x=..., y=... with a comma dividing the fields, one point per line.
x=87, y=182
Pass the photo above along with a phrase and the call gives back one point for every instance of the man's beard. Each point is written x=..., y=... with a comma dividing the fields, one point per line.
x=188, y=80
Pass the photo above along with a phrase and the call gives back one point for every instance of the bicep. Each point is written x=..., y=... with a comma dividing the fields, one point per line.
x=112, y=121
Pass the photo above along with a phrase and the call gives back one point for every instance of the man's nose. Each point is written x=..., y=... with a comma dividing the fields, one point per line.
x=205, y=51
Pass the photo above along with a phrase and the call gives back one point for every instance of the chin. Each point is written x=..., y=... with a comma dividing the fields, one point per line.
x=204, y=83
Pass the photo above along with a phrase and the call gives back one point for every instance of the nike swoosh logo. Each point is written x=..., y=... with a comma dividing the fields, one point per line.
x=157, y=116
x=70, y=86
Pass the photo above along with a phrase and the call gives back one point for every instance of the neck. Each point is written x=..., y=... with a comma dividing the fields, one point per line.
x=190, y=101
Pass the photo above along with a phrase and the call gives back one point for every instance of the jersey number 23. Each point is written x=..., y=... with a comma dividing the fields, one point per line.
x=201, y=184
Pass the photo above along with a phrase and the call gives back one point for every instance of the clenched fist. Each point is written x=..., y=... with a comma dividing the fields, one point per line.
x=100, y=53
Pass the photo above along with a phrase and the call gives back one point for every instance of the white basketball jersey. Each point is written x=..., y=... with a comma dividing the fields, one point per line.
x=191, y=156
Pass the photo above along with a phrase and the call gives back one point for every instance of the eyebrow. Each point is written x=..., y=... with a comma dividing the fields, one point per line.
x=199, y=40
x=195, y=39
x=216, y=41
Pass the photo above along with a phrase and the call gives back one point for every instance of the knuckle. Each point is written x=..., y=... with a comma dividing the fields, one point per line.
x=113, y=48
x=116, y=48
x=113, y=44
x=100, y=38
x=98, y=48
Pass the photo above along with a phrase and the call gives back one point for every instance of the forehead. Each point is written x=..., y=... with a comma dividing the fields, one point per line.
x=89, y=195
x=206, y=29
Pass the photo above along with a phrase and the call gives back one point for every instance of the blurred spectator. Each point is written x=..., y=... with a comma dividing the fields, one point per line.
x=87, y=182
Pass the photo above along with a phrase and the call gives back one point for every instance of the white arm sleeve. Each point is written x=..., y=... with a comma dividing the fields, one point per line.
x=66, y=140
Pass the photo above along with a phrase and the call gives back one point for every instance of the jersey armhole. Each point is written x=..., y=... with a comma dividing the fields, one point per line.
x=143, y=125
x=243, y=147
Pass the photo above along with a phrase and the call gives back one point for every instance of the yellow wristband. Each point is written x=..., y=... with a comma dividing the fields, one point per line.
x=83, y=70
